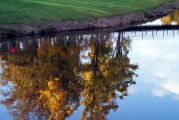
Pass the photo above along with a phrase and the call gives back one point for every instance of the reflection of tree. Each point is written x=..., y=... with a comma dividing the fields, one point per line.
x=48, y=79
x=167, y=20
x=104, y=76
x=45, y=83
x=176, y=16
x=62, y=94
x=171, y=17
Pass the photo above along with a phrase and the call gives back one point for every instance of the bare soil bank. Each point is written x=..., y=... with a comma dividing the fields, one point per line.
x=112, y=23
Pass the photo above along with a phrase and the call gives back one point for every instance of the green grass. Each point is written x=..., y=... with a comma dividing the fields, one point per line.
x=47, y=11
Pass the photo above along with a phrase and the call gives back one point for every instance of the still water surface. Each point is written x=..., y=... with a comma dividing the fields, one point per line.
x=108, y=75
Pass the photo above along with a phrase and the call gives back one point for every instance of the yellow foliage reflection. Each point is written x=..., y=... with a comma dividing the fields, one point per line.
x=52, y=78
x=173, y=17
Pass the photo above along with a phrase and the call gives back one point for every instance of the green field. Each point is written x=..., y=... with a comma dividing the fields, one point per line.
x=14, y=12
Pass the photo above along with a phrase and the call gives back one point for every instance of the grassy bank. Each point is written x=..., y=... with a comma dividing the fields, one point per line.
x=30, y=17
x=47, y=11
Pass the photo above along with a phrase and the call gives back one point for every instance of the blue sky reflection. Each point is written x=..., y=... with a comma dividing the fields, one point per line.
x=156, y=94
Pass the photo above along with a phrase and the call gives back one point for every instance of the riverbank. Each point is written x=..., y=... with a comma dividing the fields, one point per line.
x=129, y=17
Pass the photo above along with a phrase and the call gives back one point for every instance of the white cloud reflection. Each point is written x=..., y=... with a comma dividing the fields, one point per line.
x=158, y=61
x=159, y=92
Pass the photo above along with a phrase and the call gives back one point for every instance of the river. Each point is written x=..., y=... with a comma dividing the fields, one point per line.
x=127, y=75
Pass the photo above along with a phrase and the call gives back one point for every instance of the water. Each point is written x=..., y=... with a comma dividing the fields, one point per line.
x=108, y=75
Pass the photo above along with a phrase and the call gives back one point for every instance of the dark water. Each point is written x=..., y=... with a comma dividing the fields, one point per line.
x=108, y=75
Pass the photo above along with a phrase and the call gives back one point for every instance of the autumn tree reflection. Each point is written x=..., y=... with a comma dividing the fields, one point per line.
x=173, y=17
x=109, y=71
x=45, y=85
x=51, y=78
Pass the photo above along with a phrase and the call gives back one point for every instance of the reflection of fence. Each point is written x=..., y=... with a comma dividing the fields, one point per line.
x=153, y=31
x=152, y=27
x=137, y=31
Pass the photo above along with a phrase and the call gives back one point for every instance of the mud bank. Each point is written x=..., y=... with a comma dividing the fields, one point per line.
x=112, y=23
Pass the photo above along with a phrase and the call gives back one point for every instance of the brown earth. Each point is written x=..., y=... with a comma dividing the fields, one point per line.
x=112, y=23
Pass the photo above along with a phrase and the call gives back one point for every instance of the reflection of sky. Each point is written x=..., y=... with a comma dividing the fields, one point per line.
x=84, y=56
x=156, y=22
x=4, y=115
x=159, y=59
x=156, y=94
